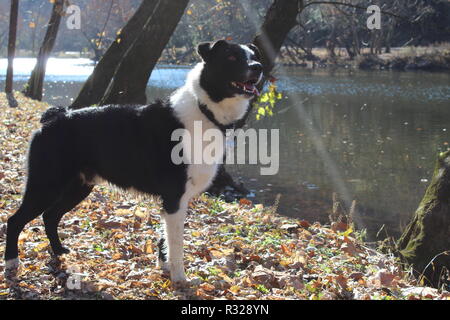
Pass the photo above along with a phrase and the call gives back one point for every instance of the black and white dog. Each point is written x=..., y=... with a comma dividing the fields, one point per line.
x=130, y=146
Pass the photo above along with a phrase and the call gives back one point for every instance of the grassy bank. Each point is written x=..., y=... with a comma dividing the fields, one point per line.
x=232, y=250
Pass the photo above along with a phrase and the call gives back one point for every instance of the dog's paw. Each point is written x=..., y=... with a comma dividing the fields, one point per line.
x=180, y=284
x=11, y=269
x=178, y=278
x=60, y=251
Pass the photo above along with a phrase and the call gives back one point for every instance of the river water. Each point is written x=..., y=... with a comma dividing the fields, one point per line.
x=371, y=136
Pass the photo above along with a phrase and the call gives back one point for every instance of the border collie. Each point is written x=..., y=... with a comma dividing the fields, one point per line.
x=130, y=147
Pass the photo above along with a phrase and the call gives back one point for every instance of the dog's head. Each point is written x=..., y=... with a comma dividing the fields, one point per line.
x=230, y=69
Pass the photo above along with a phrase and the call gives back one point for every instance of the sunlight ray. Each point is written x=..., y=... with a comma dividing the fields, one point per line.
x=330, y=166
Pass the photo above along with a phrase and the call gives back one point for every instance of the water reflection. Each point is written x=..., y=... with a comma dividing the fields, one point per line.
x=360, y=139
x=372, y=135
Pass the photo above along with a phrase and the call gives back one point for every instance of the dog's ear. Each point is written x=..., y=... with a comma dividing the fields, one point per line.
x=204, y=50
x=219, y=44
x=255, y=50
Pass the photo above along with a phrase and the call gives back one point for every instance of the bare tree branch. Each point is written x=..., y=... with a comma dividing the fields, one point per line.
x=352, y=6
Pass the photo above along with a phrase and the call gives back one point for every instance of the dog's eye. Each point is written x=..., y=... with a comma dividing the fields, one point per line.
x=231, y=58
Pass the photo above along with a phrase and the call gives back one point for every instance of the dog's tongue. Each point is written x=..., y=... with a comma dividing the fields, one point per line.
x=251, y=87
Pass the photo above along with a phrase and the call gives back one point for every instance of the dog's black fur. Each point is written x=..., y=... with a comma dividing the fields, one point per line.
x=128, y=145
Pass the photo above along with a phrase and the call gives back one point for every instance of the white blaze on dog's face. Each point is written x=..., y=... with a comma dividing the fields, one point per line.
x=230, y=70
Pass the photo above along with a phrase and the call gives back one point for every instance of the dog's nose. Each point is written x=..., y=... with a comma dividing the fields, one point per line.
x=257, y=67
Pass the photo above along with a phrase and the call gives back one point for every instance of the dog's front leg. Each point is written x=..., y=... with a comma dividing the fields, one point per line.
x=174, y=224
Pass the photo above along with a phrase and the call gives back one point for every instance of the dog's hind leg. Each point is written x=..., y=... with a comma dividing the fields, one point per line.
x=72, y=195
x=162, y=254
x=32, y=206
x=47, y=176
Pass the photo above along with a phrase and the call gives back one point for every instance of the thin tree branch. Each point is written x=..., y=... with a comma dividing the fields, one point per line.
x=104, y=26
x=352, y=6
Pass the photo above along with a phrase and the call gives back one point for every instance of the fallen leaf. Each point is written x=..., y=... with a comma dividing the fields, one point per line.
x=245, y=202
x=148, y=247
x=341, y=281
x=235, y=289
x=286, y=250
x=339, y=226
x=207, y=287
x=117, y=256
x=304, y=224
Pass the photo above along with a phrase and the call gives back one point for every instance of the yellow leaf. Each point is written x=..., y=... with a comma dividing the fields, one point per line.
x=285, y=262
x=32, y=267
x=348, y=232
x=216, y=254
x=140, y=213
x=225, y=277
x=117, y=256
x=235, y=289
x=41, y=247
x=122, y=212
x=148, y=248
x=264, y=98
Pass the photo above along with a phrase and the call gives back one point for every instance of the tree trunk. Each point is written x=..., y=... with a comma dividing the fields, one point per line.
x=388, y=38
x=95, y=86
x=356, y=46
x=372, y=42
x=11, y=44
x=331, y=42
x=280, y=19
x=35, y=84
x=425, y=244
x=348, y=48
x=131, y=76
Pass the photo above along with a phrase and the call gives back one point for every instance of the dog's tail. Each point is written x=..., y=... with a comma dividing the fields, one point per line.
x=52, y=113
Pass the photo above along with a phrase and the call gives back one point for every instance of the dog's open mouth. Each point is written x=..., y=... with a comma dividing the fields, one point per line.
x=247, y=87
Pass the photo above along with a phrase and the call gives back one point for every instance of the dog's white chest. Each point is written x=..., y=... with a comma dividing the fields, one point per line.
x=203, y=163
x=204, y=166
x=200, y=177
